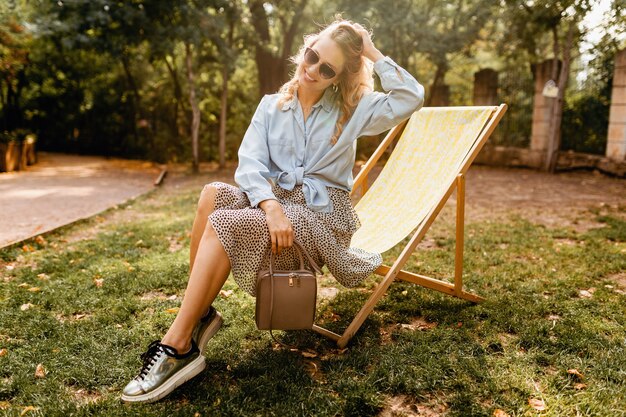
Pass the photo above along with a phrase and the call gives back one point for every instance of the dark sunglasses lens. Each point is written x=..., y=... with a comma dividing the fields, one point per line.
x=326, y=71
x=310, y=56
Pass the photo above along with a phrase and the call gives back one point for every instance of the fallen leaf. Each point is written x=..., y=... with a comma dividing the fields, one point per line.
x=172, y=310
x=610, y=287
x=34, y=289
x=537, y=404
x=308, y=354
x=26, y=306
x=311, y=367
x=405, y=292
x=24, y=285
x=172, y=297
x=27, y=409
x=27, y=248
x=79, y=316
x=139, y=242
x=498, y=412
x=10, y=267
x=4, y=405
x=43, y=277
x=585, y=294
x=226, y=293
x=40, y=240
x=3, y=352
x=419, y=323
x=580, y=386
x=40, y=372
x=99, y=282
x=575, y=372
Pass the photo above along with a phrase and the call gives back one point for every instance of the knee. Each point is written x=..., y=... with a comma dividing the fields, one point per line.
x=207, y=197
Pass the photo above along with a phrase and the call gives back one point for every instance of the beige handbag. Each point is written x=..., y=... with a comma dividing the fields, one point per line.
x=286, y=300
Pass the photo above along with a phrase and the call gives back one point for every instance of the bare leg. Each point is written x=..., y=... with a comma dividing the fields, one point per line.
x=210, y=271
x=206, y=205
x=207, y=276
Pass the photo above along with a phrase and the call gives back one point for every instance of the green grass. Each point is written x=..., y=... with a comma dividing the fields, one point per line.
x=517, y=345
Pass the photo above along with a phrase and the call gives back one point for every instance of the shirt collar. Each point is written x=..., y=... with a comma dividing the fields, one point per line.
x=327, y=101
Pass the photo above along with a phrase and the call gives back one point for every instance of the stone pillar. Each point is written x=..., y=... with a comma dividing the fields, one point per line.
x=616, y=143
x=542, y=111
x=485, y=88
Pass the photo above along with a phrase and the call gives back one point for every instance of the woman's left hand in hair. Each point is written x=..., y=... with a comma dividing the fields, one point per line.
x=369, y=50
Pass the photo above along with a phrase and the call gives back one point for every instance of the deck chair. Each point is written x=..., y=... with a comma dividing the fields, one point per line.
x=430, y=160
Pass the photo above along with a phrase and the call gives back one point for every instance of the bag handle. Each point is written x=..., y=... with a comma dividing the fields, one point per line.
x=300, y=250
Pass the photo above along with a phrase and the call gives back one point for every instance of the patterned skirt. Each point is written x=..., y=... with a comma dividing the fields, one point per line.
x=243, y=232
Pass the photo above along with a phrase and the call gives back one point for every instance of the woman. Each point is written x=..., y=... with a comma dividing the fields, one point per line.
x=294, y=177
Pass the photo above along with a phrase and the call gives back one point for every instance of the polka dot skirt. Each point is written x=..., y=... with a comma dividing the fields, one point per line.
x=243, y=232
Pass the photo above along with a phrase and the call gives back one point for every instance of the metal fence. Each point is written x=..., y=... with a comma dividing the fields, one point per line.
x=516, y=90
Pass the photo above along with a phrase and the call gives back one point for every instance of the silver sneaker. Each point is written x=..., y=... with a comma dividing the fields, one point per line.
x=163, y=370
x=208, y=325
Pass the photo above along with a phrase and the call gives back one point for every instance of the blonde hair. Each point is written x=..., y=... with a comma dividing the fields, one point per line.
x=355, y=80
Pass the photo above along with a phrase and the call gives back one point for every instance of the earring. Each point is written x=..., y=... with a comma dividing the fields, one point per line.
x=335, y=88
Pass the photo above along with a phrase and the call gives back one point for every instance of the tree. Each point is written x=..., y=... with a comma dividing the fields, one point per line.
x=276, y=24
x=434, y=28
x=14, y=59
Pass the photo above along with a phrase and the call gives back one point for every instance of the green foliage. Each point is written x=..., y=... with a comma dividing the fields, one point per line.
x=94, y=76
x=586, y=111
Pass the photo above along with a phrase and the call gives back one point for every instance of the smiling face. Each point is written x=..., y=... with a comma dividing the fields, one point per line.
x=328, y=53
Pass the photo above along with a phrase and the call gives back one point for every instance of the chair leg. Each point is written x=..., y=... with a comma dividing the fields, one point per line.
x=460, y=235
x=367, y=308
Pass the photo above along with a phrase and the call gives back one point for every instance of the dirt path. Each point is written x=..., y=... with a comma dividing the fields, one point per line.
x=493, y=192
x=551, y=200
x=61, y=189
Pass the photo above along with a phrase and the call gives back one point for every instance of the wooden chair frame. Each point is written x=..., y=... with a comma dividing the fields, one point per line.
x=391, y=273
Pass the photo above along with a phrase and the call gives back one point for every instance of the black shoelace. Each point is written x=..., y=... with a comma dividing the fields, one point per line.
x=150, y=356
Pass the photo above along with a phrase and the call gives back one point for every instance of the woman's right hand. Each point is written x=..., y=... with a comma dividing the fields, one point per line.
x=369, y=50
x=281, y=230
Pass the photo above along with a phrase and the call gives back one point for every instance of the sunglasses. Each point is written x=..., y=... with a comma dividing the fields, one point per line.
x=311, y=58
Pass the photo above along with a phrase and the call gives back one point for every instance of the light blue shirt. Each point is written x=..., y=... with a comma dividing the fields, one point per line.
x=280, y=148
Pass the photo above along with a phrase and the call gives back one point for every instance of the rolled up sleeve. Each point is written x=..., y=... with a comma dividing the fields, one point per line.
x=402, y=97
x=253, y=171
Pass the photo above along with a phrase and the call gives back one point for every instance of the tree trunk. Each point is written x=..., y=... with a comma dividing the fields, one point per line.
x=438, y=81
x=224, y=102
x=272, y=69
x=195, y=110
x=134, y=98
x=554, y=134
x=178, y=94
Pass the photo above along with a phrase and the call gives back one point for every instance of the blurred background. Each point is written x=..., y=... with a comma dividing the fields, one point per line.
x=178, y=80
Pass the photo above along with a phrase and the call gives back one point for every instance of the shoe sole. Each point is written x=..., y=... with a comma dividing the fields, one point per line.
x=178, y=379
x=210, y=332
